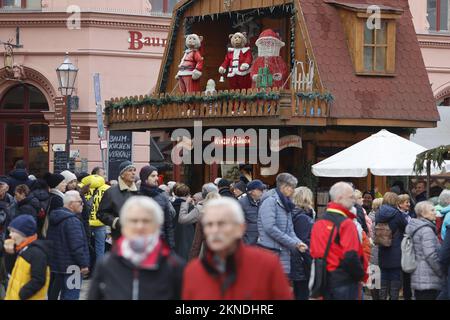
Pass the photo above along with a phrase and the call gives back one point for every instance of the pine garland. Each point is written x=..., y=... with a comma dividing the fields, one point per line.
x=328, y=97
x=221, y=96
x=436, y=156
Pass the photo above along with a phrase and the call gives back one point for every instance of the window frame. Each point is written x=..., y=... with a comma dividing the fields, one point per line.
x=437, y=27
x=23, y=4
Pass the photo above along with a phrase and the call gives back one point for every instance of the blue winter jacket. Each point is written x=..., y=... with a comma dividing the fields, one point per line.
x=69, y=241
x=390, y=257
x=250, y=208
x=446, y=222
x=444, y=260
x=301, y=262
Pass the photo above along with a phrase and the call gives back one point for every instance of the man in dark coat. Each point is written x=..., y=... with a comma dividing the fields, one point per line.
x=149, y=188
x=224, y=188
x=70, y=253
x=114, y=198
x=250, y=206
x=140, y=266
x=18, y=176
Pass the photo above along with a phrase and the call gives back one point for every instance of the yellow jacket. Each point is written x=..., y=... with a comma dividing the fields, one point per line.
x=30, y=277
x=97, y=187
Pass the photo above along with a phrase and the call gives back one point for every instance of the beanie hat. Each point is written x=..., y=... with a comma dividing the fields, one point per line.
x=240, y=186
x=4, y=180
x=53, y=179
x=24, y=224
x=216, y=181
x=68, y=176
x=223, y=183
x=255, y=185
x=124, y=166
x=146, y=172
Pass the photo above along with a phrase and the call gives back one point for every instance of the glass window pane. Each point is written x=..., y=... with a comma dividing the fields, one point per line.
x=37, y=99
x=382, y=33
x=157, y=5
x=34, y=4
x=368, y=35
x=431, y=10
x=444, y=15
x=368, y=58
x=38, y=149
x=12, y=4
x=14, y=150
x=381, y=59
x=14, y=99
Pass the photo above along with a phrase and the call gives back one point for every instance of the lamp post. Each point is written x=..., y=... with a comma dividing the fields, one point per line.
x=67, y=74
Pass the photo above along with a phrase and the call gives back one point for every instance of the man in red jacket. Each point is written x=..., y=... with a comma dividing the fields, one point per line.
x=345, y=260
x=229, y=269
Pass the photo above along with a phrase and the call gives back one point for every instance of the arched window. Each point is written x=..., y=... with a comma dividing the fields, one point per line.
x=24, y=133
x=445, y=102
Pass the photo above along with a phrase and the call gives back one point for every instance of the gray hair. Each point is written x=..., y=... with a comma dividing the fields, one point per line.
x=207, y=188
x=286, y=179
x=146, y=203
x=422, y=207
x=338, y=189
x=71, y=196
x=236, y=209
x=444, y=198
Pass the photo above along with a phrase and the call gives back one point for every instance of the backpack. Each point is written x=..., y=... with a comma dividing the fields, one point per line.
x=383, y=235
x=409, y=264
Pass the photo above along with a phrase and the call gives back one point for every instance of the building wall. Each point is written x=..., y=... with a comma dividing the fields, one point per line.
x=100, y=46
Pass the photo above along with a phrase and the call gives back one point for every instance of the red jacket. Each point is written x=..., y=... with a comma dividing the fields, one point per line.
x=234, y=60
x=345, y=260
x=192, y=60
x=252, y=274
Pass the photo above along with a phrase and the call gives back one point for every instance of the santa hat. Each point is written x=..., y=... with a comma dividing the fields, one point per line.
x=270, y=34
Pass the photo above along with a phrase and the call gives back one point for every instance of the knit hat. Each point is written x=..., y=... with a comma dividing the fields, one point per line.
x=146, y=172
x=217, y=180
x=240, y=186
x=255, y=185
x=223, y=183
x=24, y=224
x=124, y=166
x=4, y=180
x=53, y=179
x=68, y=176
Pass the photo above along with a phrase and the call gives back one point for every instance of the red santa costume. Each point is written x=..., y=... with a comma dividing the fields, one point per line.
x=269, y=45
x=190, y=70
x=238, y=61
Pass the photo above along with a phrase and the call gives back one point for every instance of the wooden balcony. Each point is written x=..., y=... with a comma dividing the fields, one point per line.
x=233, y=108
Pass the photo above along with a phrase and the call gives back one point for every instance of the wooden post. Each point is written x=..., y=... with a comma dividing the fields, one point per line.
x=428, y=178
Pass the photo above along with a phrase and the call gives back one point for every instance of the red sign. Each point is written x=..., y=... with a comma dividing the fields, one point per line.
x=138, y=41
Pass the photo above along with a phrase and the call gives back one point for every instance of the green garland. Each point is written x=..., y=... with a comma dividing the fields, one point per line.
x=160, y=102
x=328, y=97
x=436, y=156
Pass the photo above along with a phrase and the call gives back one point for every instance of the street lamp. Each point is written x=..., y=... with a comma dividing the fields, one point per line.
x=67, y=74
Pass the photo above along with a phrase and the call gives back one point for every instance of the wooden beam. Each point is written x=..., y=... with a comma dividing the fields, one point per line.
x=382, y=123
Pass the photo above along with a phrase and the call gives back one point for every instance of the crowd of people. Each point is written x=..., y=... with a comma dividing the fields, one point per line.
x=136, y=238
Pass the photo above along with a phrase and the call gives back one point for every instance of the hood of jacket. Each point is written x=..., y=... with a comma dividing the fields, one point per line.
x=268, y=194
x=445, y=210
x=59, y=215
x=386, y=213
x=40, y=194
x=415, y=224
x=19, y=174
x=30, y=200
x=95, y=181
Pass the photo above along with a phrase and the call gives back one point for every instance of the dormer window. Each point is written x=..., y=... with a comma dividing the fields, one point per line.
x=371, y=36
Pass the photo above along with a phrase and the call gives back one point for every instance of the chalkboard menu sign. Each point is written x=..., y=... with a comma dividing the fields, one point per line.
x=120, y=148
x=60, y=162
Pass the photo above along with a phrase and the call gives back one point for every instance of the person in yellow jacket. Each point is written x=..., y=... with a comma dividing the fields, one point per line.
x=97, y=187
x=30, y=277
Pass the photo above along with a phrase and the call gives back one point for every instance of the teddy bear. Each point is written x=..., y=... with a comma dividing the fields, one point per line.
x=191, y=65
x=238, y=61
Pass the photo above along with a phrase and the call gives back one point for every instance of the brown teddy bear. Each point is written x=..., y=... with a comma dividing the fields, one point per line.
x=238, y=61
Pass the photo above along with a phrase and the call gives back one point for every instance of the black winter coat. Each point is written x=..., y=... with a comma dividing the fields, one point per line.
x=184, y=233
x=390, y=257
x=116, y=278
x=301, y=262
x=168, y=229
x=18, y=177
x=30, y=205
x=226, y=192
x=110, y=205
x=250, y=209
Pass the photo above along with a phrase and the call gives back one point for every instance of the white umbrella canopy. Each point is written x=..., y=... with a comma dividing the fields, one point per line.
x=383, y=153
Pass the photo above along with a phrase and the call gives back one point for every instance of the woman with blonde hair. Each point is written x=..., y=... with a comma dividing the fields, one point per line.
x=303, y=219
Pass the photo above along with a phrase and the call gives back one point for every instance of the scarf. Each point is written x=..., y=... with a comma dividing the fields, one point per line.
x=27, y=242
x=285, y=201
x=150, y=191
x=57, y=192
x=137, y=250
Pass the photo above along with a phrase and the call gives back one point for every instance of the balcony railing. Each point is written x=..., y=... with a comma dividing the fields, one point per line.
x=257, y=104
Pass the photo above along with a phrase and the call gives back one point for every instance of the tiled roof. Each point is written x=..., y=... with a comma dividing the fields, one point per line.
x=406, y=96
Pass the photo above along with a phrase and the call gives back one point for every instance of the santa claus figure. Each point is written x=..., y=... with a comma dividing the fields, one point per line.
x=191, y=66
x=269, y=69
x=238, y=61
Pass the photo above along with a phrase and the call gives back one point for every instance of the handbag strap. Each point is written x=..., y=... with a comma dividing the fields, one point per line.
x=327, y=250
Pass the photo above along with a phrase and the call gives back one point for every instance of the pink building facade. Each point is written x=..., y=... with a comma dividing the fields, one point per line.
x=123, y=41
